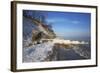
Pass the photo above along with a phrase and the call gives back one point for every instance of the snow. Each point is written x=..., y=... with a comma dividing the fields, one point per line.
x=37, y=53
x=28, y=26
x=42, y=29
x=82, y=51
x=62, y=41
x=41, y=52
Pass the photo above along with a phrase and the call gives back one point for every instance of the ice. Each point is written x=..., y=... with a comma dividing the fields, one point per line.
x=37, y=53
x=82, y=51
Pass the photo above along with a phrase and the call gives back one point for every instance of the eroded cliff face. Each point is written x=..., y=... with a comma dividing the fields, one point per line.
x=34, y=31
x=35, y=50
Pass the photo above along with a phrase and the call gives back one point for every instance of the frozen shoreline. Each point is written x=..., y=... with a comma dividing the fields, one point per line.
x=36, y=53
x=47, y=52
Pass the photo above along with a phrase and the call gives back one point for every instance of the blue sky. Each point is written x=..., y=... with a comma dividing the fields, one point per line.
x=70, y=24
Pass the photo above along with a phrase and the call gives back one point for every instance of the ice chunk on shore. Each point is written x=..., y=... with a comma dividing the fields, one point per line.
x=37, y=53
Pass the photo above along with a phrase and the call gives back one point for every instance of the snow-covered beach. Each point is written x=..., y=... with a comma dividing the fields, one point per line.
x=42, y=52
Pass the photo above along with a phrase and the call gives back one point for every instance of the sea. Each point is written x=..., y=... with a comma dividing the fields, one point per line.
x=78, y=52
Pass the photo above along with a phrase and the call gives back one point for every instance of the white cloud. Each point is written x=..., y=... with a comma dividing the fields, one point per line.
x=75, y=22
x=58, y=20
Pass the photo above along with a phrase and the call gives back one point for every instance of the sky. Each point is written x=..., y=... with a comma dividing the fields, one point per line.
x=70, y=24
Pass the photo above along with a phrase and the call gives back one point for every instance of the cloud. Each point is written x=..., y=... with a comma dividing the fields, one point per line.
x=58, y=20
x=62, y=20
x=75, y=22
